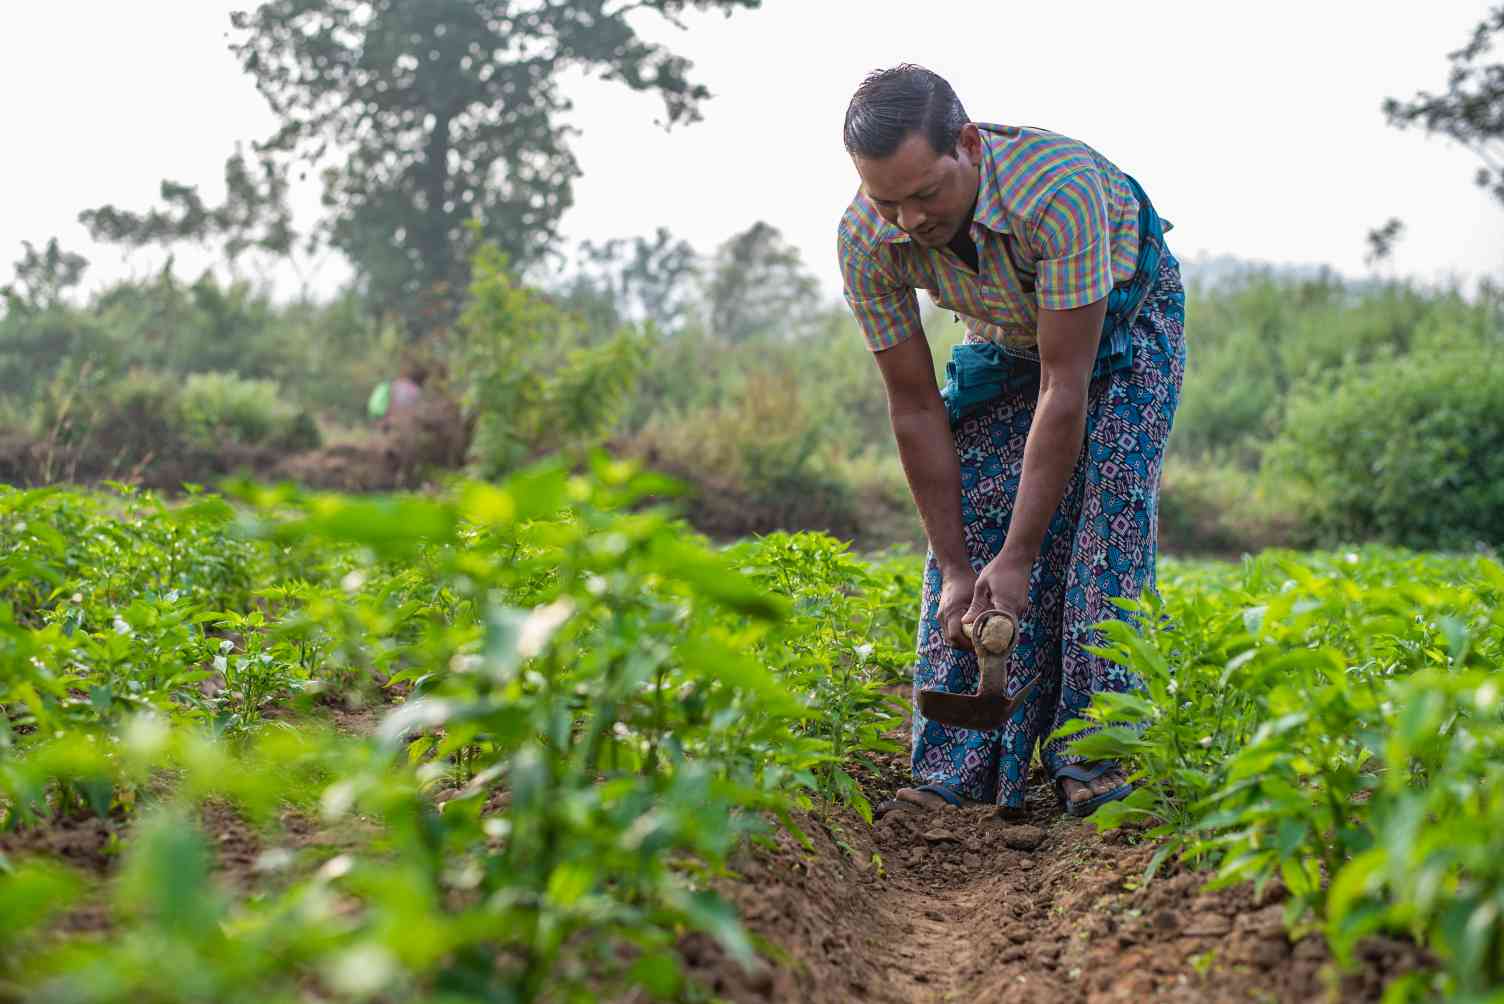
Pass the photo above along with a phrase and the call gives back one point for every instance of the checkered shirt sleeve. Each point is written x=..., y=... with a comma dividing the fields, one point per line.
x=886, y=310
x=1073, y=239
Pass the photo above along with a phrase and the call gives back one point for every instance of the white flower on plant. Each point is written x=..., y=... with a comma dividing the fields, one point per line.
x=465, y=663
x=121, y=627
x=540, y=626
x=336, y=867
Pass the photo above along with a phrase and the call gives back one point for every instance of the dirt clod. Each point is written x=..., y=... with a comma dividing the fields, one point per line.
x=1207, y=925
x=1022, y=838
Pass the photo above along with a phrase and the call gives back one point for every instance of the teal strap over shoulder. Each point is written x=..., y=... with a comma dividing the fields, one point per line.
x=980, y=371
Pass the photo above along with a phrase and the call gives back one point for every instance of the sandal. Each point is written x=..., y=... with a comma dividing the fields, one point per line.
x=1086, y=775
x=951, y=798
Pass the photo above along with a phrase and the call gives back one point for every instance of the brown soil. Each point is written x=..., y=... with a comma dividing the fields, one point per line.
x=957, y=905
x=87, y=844
x=83, y=842
x=433, y=435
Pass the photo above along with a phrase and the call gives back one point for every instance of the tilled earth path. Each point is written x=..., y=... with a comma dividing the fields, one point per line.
x=955, y=905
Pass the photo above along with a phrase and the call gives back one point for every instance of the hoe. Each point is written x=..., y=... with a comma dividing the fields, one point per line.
x=994, y=634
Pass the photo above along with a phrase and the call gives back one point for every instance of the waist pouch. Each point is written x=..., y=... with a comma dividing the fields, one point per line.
x=980, y=371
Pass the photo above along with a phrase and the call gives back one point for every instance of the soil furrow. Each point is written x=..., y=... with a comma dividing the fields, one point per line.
x=954, y=905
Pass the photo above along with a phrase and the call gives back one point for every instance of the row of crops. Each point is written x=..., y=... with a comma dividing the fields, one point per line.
x=1335, y=722
x=611, y=706
x=584, y=709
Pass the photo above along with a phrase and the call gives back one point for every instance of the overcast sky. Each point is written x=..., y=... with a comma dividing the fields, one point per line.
x=1256, y=127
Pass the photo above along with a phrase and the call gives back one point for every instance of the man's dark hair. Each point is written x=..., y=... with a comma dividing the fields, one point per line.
x=892, y=104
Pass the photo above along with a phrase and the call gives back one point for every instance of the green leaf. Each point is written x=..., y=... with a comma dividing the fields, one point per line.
x=570, y=882
x=393, y=528
x=166, y=877
x=1356, y=880
x=716, y=662
x=659, y=973
x=31, y=893
x=1110, y=743
x=717, y=579
x=538, y=493
x=709, y=913
x=1157, y=861
x=1291, y=835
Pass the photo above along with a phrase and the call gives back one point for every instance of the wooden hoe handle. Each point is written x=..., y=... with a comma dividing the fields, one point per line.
x=994, y=634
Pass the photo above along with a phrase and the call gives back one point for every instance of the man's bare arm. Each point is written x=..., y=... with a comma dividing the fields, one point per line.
x=1068, y=341
x=928, y=453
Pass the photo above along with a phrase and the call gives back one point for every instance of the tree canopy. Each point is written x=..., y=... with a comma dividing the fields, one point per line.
x=253, y=217
x=434, y=126
x=43, y=276
x=758, y=286
x=1471, y=109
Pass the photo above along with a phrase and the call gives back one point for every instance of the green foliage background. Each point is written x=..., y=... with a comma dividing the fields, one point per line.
x=1314, y=410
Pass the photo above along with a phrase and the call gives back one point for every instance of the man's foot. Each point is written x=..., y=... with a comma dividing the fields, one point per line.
x=923, y=799
x=1083, y=787
x=1076, y=792
x=928, y=797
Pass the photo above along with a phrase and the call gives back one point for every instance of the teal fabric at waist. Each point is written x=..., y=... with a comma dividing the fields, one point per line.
x=980, y=371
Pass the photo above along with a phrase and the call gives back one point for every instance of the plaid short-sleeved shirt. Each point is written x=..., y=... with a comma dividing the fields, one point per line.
x=1056, y=227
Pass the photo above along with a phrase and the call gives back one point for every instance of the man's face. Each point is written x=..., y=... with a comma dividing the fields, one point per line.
x=928, y=196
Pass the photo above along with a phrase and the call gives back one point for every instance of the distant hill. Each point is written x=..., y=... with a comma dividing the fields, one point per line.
x=1213, y=270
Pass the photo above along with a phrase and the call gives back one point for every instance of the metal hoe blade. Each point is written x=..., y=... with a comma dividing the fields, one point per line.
x=994, y=634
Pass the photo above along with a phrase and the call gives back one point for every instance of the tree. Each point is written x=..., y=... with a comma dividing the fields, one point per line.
x=1382, y=239
x=42, y=277
x=1471, y=111
x=253, y=217
x=759, y=286
x=439, y=113
x=434, y=127
x=639, y=279
x=535, y=383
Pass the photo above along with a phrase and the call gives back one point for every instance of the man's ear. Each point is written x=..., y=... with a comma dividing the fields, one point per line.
x=969, y=142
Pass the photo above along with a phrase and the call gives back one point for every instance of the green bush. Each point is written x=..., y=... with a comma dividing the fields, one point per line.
x=84, y=411
x=1220, y=509
x=36, y=345
x=1331, y=721
x=324, y=356
x=1255, y=341
x=1409, y=451
x=141, y=411
x=215, y=407
x=538, y=383
x=760, y=460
